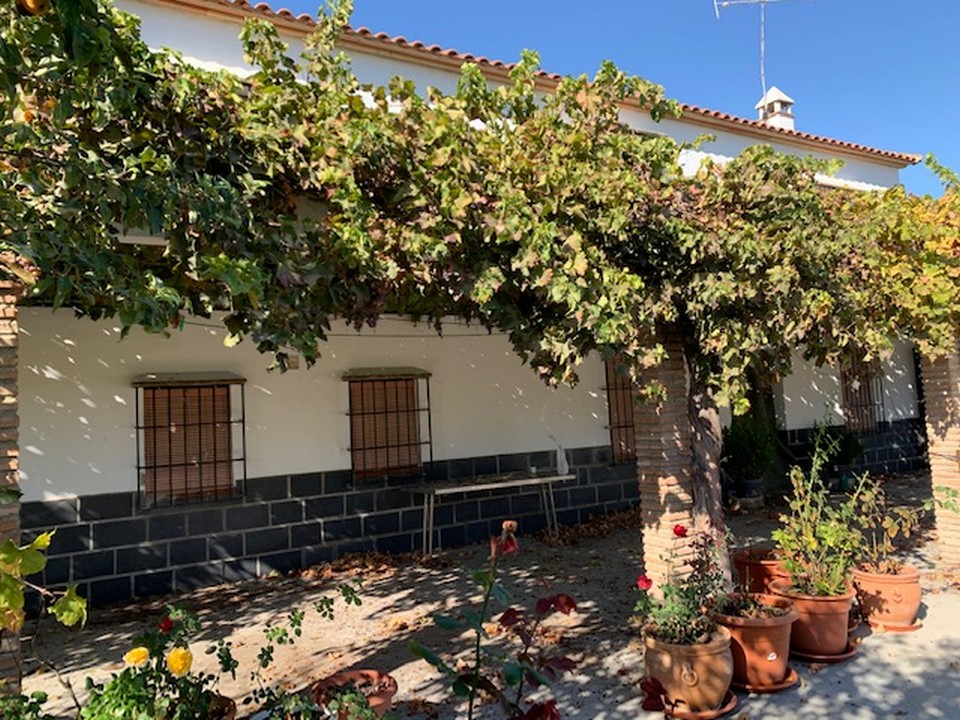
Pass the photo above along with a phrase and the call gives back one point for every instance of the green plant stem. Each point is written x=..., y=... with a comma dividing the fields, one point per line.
x=526, y=649
x=479, y=632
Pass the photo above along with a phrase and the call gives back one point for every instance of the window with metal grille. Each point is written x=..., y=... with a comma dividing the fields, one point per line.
x=390, y=431
x=620, y=399
x=862, y=395
x=190, y=438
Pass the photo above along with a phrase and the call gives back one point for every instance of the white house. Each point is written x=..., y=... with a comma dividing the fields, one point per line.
x=171, y=463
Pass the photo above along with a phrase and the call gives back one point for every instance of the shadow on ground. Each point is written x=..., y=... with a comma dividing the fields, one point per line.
x=915, y=675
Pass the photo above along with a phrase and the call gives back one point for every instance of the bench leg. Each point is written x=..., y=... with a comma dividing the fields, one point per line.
x=549, y=507
x=426, y=537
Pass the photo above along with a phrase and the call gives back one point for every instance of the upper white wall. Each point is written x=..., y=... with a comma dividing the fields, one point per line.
x=213, y=42
x=809, y=395
x=812, y=394
x=77, y=424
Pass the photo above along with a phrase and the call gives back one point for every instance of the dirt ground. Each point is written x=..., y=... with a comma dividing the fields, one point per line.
x=598, y=566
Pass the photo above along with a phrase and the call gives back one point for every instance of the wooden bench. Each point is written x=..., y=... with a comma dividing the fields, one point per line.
x=431, y=491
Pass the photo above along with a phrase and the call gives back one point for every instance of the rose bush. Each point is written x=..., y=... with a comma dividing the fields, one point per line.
x=527, y=666
x=678, y=612
x=156, y=681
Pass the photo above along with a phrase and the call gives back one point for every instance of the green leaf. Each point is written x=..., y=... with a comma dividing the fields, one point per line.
x=501, y=595
x=32, y=561
x=447, y=623
x=42, y=541
x=512, y=673
x=474, y=621
x=70, y=608
x=421, y=651
x=9, y=494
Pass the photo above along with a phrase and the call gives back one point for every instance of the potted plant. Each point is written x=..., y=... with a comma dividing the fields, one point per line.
x=355, y=694
x=844, y=450
x=818, y=550
x=757, y=568
x=157, y=681
x=749, y=451
x=348, y=695
x=888, y=591
x=687, y=656
x=759, y=628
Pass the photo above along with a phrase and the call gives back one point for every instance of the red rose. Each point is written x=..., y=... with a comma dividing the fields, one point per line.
x=680, y=531
x=644, y=583
x=564, y=603
x=508, y=545
x=165, y=625
x=542, y=711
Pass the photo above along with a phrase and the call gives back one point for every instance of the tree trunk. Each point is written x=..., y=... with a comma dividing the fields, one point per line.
x=707, y=441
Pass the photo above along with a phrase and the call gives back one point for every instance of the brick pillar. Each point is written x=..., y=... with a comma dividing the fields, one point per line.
x=9, y=459
x=664, y=462
x=941, y=392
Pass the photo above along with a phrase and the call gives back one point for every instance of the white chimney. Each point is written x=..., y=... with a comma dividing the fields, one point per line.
x=776, y=109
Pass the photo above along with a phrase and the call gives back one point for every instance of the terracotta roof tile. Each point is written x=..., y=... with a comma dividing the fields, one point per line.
x=307, y=22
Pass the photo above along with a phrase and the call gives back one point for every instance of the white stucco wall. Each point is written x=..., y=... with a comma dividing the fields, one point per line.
x=900, y=384
x=77, y=405
x=812, y=394
x=809, y=395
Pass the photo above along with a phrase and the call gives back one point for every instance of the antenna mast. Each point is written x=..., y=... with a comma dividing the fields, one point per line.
x=719, y=4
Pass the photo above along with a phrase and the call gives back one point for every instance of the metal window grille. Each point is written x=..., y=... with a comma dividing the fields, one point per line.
x=390, y=428
x=862, y=395
x=191, y=444
x=620, y=399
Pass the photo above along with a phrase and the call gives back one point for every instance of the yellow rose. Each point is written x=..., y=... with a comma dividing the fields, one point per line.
x=137, y=657
x=179, y=661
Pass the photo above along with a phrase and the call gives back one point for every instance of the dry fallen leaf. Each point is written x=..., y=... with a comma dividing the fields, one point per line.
x=421, y=706
x=396, y=624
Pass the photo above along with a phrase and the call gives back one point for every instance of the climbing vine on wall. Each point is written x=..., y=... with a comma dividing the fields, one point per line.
x=290, y=205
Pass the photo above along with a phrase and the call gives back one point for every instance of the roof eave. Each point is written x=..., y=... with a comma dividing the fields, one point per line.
x=769, y=134
x=420, y=54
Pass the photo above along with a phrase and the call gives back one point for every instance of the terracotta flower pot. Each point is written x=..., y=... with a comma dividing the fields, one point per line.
x=821, y=628
x=760, y=646
x=889, y=600
x=34, y=7
x=696, y=675
x=223, y=708
x=381, y=687
x=757, y=568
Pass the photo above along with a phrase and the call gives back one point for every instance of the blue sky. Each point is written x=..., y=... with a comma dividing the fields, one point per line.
x=884, y=73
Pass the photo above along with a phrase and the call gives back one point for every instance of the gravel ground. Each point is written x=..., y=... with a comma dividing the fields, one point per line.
x=903, y=675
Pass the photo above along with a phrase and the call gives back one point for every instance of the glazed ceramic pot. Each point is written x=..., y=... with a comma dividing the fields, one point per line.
x=697, y=676
x=378, y=687
x=760, y=645
x=889, y=600
x=821, y=628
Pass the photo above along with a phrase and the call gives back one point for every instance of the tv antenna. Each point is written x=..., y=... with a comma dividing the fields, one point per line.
x=720, y=4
